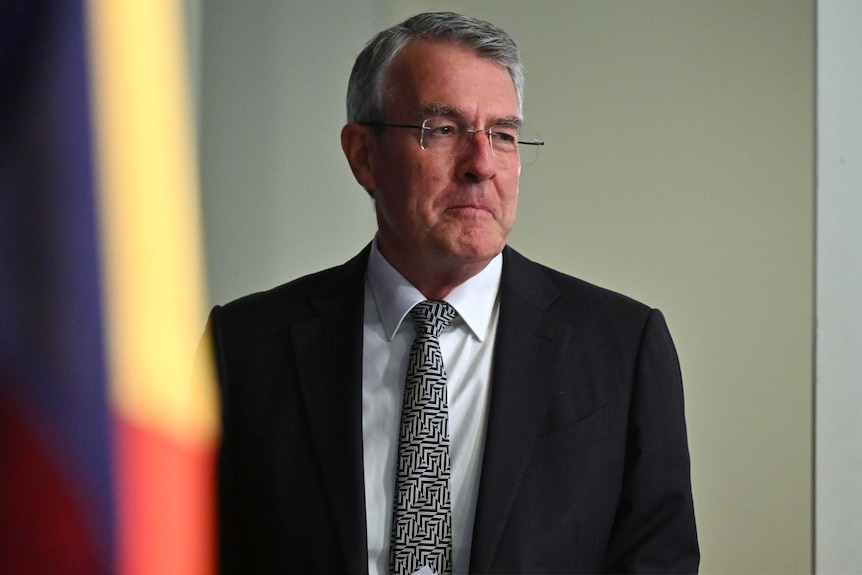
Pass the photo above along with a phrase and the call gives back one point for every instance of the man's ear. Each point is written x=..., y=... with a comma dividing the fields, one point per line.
x=357, y=142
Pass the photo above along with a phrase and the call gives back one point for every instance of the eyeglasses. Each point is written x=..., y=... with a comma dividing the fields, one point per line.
x=449, y=136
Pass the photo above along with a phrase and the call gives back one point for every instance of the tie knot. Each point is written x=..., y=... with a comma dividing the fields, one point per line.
x=432, y=316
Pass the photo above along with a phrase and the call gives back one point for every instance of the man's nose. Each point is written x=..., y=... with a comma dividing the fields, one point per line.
x=477, y=161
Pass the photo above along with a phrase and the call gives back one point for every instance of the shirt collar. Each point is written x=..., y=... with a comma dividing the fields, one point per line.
x=395, y=296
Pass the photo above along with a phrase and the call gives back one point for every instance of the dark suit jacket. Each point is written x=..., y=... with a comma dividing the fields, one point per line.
x=586, y=465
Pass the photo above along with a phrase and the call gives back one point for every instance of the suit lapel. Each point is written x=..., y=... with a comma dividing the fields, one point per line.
x=529, y=344
x=329, y=362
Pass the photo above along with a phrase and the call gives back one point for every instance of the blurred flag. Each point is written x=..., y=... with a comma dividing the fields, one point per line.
x=106, y=440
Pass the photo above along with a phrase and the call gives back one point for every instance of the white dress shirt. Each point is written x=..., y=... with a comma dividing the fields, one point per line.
x=467, y=346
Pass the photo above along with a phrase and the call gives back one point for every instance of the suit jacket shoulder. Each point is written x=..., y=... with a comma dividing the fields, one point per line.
x=297, y=300
x=575, y=296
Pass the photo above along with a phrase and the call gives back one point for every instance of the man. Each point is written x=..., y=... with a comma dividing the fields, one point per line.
x=559, y=444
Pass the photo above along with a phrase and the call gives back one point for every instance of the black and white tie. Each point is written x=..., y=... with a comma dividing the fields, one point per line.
x=422, y=518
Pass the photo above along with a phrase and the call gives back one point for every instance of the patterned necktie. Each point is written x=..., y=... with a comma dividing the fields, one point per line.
x=422, y=519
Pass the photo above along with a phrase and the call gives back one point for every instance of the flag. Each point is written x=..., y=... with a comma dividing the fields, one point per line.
x=106, y=439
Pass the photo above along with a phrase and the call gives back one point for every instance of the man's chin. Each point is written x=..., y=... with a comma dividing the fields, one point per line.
x=477, y=248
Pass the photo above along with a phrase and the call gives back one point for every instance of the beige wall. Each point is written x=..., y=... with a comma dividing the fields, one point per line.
x=679, y=170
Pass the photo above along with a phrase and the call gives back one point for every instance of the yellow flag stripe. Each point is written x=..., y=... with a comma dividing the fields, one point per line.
x=150, y=216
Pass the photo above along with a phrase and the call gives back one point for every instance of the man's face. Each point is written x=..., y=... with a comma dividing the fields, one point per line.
x=434, y=209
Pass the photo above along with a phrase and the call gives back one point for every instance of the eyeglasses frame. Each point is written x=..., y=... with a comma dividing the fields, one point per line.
x=472, y=131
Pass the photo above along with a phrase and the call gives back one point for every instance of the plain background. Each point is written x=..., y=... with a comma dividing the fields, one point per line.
x=838, y=503
x=679, y=169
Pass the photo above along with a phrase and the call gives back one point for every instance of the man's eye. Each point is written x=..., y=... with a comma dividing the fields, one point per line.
x=444, y=130
x=506, y=137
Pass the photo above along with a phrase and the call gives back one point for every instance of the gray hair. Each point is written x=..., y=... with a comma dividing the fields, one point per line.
x=366, y=99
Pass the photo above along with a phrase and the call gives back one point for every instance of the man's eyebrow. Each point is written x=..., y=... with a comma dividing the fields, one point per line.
x=448, y=111
x=442, y=110
x=513, y=121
